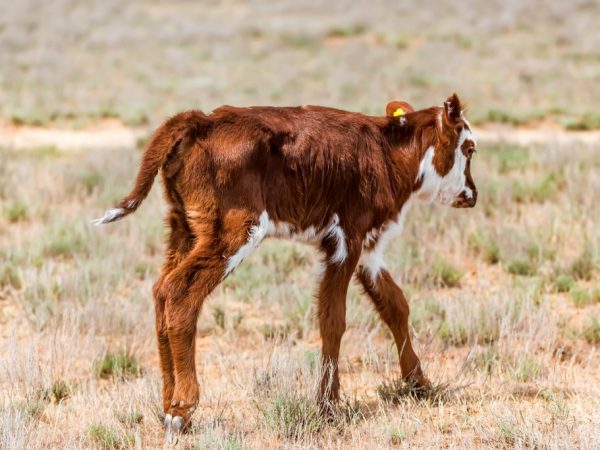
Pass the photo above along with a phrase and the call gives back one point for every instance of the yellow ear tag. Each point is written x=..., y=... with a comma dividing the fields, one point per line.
x=399, y=112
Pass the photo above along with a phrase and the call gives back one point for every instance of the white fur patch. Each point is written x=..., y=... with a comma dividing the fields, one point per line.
x=335, y=231
x=109, y=216
x=285, y=230
x=372, y=260
x=256, y=234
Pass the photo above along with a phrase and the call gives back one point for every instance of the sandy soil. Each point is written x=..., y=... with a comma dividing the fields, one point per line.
x=112, y=134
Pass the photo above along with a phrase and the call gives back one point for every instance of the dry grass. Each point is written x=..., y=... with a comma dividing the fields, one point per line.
x=505, y=300
x=515, y=63
x=514, y=353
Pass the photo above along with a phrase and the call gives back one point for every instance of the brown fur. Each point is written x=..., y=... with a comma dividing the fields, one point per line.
x=301, y=165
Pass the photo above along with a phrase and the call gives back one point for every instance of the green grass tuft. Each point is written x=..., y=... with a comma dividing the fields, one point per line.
x=293, y=418
x=106, y=438
x=445, y=274
x=117, y=365
x=486, y=246
x=591, y=332
x=508, y=157
x=581, y=297
x=520, y=266
x=17, y=211
x=583, y=267
x=564, y=283
x=588, y=121
x=348, y=31
x=396, y=392
x=540, y=191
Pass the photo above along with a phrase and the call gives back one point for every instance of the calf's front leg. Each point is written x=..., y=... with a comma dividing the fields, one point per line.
x=389, y=301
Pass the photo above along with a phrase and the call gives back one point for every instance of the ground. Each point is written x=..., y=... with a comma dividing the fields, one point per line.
x=505, y=298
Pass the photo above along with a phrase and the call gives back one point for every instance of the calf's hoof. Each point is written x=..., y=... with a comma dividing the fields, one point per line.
x=177, y=421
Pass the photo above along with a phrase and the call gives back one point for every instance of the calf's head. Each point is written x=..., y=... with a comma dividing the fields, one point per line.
x=445, y=169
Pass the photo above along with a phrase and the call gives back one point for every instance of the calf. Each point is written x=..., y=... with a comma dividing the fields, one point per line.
x=340, y=180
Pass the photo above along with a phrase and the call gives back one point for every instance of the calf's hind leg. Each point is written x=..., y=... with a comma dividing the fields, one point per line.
x=179, y=244
x=186, y=287
x=332, y=324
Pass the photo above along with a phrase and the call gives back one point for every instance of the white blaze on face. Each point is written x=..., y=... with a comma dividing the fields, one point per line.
x=446, y=189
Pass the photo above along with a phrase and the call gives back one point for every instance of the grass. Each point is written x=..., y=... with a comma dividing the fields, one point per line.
x=583, y=267
x=349, y=31
x=516, y=356
x=16, y=211
x=106, y=438
x=588, y=121
x=293, y=418
x=397, y=392
x=509, y=157
x=121, y=364
x=540, y=191
x=370, y=44
x=527, y=369
x=591, y=332
x=446, y=274
x=564, y=283
x=486, y=246
x=521, y=266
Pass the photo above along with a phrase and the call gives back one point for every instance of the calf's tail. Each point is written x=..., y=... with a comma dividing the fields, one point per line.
x=163, y=143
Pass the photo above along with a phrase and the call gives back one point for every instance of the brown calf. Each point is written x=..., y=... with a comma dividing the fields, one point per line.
x=338, y=179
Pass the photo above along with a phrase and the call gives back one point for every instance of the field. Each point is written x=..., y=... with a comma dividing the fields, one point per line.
x=505, y=298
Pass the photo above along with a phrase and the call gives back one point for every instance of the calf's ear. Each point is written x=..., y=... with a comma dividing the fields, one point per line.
x=397, y=108
x=452, y=109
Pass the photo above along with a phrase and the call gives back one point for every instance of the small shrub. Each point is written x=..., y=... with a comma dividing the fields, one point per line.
x=591, y=332
x=446, y=274
x=219, y=316
x=60, y=390
x=588, y=121
x=564, y=283
x=217, y=438
x=539, y=192
x=400, y=435
x=349, y=31
x=143, y=268
x=106, y=438
x=118, y=365
x=452, y=335
x=16, y=211
x=396, y=391
x=34, y=408
x=487, y=360
x=293, y=418
x=274, y=331
x=65, y=243
x=509, y=157
x=130, y=419
x=581, y=297
x=297, y=40
x=486, y=246
x=520, y=266
x=9, y=276
x=236, y=320
x=583, y=267
x=527, y=370
x=501, y=116
x=89, y=182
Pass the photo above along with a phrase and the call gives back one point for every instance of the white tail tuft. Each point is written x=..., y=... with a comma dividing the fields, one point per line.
x=110, y=216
